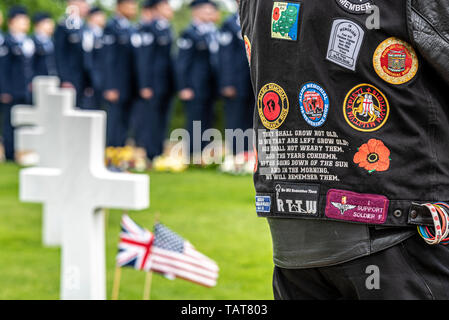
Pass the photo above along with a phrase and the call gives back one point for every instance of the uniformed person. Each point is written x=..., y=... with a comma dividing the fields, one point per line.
x=3, y=52
x=44, y=60
x=122, y=42
x=355, y=121
x=156, y=74
x=195, y=68
x=72, y=46
x=96, y=22
x=17, y=71
x=235, y=81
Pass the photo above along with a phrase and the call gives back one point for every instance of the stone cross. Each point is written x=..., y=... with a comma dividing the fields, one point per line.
x=80, y=187
x=38, y=129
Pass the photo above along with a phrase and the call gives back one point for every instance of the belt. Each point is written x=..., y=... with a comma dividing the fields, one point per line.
x=400, y=213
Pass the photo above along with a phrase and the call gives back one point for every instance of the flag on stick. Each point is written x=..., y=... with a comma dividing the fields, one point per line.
x=164, y=252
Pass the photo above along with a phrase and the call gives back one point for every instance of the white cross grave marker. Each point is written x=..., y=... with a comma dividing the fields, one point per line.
x=82, y=186
x=37, y=130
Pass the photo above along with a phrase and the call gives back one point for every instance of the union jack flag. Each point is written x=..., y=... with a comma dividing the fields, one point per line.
x=164, y=252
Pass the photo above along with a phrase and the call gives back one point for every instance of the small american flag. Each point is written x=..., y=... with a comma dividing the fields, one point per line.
x=175, y=257
x=164, y=252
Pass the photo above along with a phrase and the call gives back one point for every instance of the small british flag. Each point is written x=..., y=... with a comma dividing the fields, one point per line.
x=164, y=252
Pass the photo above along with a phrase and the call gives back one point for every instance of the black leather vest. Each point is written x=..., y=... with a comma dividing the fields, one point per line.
x=351, y=121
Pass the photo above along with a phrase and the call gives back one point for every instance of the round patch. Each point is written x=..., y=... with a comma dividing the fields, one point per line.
x=356, y=6
x=366, y=108
x=395, y=61
x=273, y=106
x=314, y=104
x=248, y=49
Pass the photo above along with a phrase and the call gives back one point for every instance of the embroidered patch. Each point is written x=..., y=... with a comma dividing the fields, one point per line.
x=355, y=6
x=284, y=21
x=356, y=207
x=314, y=104
x=395, y=61
x=248, y=49
x=273, y=106
x=297, y=199
x=263, y=204
x=366, y=108
x=373, y=156
x=345, y=43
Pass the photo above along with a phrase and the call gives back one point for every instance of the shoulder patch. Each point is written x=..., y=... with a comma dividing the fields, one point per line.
x=284, y=21
x=356, y=6
x=314, y=104
x=28, y=48
x=366, y=108
x=3, y=51
x=136, y=40
x=184, y=44
x=395, y=61
x=273, y=106
x=225, y=38
x=345, y=42
x=147, y=38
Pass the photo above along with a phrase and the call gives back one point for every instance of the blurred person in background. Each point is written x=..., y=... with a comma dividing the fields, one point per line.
x=235, y=81
x=122, y=42
x=44, y=60
x=195, y=68
x=3, y=52
x=96, y=22
x=72, y=47
x=156, y=74
x=17, y=71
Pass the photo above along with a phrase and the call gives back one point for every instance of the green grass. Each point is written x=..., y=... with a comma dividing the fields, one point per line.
x=213, y=211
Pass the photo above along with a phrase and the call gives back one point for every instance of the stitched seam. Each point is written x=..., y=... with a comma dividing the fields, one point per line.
x=430, y=24
x=407, y=259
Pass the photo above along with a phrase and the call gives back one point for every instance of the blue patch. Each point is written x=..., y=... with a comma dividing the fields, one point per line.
x=314, y=104
x=263, y=204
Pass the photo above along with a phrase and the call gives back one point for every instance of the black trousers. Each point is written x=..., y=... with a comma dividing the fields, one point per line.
x=411, y=270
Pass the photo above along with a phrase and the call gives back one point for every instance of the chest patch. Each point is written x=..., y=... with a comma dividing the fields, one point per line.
x=297, y=199
x=273, y=106
x=395, y=61
x=284, y=21
x=356, y=6
x=345, y=43
x=366, y=108
x=355, y=207
x=314, y=104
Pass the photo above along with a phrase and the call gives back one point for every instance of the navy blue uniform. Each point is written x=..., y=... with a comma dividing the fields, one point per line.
x=196, y=70
x=121, y=53
x=71, y=50
x=18, y=74
x=96, y=66
x=3, y=52
x=157, y=73
x=234, y=72
x=44, y=60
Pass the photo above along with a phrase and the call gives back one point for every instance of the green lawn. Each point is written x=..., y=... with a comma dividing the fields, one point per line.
x=213, y=211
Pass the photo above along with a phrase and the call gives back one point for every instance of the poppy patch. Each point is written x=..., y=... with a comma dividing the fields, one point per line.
x=373, y=156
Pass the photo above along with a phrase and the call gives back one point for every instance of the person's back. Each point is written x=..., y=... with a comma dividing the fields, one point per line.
x=354, y=118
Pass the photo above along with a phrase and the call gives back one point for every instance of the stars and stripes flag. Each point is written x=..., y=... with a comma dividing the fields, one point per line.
x=164, y=252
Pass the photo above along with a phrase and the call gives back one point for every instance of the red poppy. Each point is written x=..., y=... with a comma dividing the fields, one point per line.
x=373, y=156
x=276, y=14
